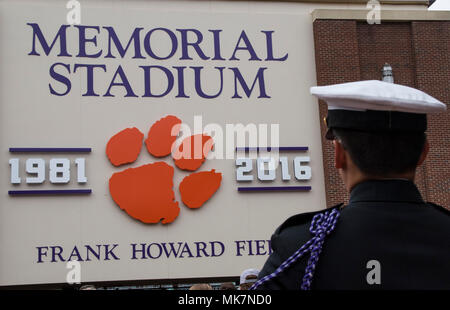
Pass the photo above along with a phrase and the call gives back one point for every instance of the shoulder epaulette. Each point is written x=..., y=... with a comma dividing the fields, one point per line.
x=439, y=208
x=303, y=218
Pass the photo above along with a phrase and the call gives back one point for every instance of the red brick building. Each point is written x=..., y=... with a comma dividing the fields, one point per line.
x=417, y=46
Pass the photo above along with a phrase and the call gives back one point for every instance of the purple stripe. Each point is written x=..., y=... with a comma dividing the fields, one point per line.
x=269, y=148
x=50, y=149
x=273, y=188
x=50, y=192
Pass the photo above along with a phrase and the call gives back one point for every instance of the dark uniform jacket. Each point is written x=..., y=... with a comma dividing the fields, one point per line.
x=386, y=221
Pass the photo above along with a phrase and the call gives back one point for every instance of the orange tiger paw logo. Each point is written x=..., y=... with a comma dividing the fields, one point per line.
x=146, y=192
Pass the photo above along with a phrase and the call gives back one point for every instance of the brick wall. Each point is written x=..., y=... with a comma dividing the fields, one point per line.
x=431, y=44
x=419, y=53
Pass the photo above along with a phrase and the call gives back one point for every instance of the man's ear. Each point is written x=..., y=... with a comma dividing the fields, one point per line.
x=423, y=156
x=339, y=155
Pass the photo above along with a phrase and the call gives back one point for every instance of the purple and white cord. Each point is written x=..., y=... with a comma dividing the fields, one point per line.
x=322, y=225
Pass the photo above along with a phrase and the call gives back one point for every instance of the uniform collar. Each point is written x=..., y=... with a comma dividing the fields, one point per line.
x=392, y=190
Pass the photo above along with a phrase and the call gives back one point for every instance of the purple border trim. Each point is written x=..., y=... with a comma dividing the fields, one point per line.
x=50, y=149
x=269, y=148
x=50, y=192
x=273, y=188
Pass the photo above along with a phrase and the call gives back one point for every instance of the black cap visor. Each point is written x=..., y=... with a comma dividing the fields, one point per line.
x=375, y=121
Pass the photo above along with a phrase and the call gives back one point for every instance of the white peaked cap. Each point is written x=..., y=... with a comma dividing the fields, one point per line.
x=246, y=273
x=378, y=96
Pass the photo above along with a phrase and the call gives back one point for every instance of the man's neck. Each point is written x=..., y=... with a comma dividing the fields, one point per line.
x=356, y=178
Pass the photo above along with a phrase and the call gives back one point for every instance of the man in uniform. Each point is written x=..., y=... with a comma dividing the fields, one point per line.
x=387, y=236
